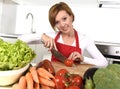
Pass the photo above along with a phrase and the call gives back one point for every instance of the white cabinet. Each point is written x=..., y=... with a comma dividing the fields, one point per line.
x=41, y=52
x=7, y=16
x=1, y=2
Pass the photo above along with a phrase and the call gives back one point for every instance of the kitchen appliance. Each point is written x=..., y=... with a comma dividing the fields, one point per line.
x=110, y=50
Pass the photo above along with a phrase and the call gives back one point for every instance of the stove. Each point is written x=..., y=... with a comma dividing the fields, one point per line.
x=110, y=50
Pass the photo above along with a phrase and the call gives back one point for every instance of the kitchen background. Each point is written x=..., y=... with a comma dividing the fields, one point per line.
x=27, y=16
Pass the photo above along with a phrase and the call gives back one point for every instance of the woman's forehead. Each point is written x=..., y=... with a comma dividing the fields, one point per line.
x=61, y=14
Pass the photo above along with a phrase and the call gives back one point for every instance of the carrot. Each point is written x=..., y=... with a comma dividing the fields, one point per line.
x=45, y=87
x=44, y=73
x=46, y=82
x=34, y=73
x=29, y=80
x=37, y=86
x=22, y=83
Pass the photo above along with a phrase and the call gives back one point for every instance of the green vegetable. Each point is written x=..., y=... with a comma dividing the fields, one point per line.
x=15, y=56
x=89, y=84
x=107, y=78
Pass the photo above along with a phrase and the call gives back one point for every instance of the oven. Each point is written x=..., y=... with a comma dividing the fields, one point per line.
x=110, y=50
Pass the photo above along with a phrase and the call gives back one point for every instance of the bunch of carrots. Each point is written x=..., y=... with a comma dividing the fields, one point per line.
x=36, y=78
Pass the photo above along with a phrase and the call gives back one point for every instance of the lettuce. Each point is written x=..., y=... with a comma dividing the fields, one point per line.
x=15, y=55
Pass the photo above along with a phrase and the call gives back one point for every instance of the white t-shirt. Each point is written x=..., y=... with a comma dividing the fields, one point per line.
x=85, y=43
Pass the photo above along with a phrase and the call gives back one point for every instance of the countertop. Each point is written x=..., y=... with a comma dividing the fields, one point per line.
x=9, y=35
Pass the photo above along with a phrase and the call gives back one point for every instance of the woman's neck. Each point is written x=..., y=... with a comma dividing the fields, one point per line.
x=69, y=37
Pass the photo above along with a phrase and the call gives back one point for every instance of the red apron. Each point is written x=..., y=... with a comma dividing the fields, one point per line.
x=66, y=50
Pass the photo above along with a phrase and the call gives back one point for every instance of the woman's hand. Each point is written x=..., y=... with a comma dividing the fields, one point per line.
x=48, y=42
x=75, y=56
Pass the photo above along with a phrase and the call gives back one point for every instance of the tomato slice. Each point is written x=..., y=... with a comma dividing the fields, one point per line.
x=68, y=62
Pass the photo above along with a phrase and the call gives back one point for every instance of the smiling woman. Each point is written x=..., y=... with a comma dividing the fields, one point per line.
x=67, y=37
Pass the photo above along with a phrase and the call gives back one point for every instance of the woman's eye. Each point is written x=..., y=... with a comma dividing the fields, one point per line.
x=64, y=18
x=56, y=22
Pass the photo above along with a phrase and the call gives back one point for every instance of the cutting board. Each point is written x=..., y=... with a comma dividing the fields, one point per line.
x=78, y=69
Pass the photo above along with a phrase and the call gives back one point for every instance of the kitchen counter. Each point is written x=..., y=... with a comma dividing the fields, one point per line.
x=15, y=36
x=78, y=69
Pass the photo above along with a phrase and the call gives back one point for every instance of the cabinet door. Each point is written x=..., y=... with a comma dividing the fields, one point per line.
x=33, y=46
x=41, y=51
x=1, y=2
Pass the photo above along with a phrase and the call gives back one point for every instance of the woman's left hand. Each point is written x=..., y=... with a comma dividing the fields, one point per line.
x=76, y=55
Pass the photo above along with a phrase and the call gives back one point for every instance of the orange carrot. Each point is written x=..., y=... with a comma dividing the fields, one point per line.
x=44, y=73
x=37, y=86
x=34, y=74
x=45, y=87
x=46, y=82
x=22, y=83
x=29, y=80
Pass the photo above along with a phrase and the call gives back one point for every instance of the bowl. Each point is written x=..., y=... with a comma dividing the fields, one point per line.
x=11, y=76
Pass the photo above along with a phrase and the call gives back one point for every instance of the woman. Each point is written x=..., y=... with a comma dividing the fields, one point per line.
x=66, y=39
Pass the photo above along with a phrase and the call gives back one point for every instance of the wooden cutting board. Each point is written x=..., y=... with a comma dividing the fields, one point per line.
x=78, y=69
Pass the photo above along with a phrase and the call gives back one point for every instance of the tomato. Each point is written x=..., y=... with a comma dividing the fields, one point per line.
x=60, y=82
x=72, y=87
x=68, y=62
x=76, y=80
x=62, y=72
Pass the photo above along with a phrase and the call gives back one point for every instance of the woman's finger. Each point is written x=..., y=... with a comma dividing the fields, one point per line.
x=51, y=43
x=55, y=45
x=71, y=56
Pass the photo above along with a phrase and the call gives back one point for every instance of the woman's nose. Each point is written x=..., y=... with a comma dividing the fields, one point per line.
x=62, y=24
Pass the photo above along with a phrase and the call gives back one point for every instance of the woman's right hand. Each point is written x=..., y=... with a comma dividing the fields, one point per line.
x=48, y=42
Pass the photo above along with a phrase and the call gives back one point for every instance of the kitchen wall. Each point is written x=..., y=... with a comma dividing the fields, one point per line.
x=0, y=11
x=101, y=24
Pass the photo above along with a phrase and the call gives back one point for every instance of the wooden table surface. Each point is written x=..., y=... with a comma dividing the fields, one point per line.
x=78, y=69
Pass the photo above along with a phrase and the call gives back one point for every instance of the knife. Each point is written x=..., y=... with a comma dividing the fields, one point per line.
x=58, y=55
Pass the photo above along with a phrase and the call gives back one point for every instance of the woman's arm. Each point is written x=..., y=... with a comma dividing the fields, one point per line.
x=97, y=58
x=29, y=38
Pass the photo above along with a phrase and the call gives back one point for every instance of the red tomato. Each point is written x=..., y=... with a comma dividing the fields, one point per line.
x=62, y=72
x=72, y=87
x=68, y=62
x=60, y=82
x=76, y=80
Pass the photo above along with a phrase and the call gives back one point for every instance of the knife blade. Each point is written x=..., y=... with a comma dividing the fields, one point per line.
x=58, y=55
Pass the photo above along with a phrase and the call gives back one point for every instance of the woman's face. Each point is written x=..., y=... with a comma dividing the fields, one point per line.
x=63, y=21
